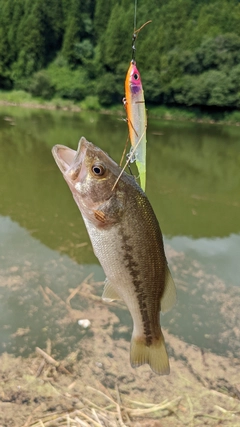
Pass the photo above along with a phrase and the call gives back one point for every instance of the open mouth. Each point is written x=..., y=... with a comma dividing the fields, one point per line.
x=66, y=158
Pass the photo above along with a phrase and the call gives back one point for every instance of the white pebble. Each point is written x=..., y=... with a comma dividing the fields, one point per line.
x=85, y=323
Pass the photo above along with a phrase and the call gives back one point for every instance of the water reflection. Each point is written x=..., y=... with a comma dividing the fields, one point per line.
x=194, y=185
x=219, y=255
x=36, y=283
x=206, y=272
x=28, y=315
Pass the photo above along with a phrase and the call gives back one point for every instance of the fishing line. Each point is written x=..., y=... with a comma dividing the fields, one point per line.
x=127, y=162
x=135, y=31
x=134, y=36
x=124, y=151
x=135, y=17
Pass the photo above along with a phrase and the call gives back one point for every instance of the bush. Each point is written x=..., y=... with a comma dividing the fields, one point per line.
x=107, y=90
x=91, y=102
x=41, y=85
x=69, y=83
x=152, y=86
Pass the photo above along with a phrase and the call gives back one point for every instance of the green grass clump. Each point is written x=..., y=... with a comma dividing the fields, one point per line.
x=15, y=96
x=91, y=102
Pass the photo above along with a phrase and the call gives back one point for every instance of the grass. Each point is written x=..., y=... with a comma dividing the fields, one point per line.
x=91, y=102
x=15, y=96
x=113, y=414
x=22, y=98
x=167, y=113
x=116, y=413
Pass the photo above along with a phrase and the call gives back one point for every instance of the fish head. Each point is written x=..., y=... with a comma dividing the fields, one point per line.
x=91, y=176
x=134, y=78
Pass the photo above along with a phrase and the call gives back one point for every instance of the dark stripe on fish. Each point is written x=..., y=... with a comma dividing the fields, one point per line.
x=138, y=285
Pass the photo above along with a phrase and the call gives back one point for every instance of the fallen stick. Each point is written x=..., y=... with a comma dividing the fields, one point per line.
x=75, y=291
x=51, y=361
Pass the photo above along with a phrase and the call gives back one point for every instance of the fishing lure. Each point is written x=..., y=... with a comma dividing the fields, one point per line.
x=137, y=121
x=136, y=113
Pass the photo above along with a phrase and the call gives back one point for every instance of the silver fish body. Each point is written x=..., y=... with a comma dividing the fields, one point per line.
x=127, y=240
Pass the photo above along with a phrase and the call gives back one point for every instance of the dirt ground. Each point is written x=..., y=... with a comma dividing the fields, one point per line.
x=96, y=386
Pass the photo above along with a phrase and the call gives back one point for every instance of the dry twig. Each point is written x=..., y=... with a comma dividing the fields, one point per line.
x=51, y=361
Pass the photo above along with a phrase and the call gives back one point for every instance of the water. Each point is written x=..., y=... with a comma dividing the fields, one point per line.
x=193, y=184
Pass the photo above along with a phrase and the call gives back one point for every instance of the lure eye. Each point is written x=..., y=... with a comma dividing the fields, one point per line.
x=98, y=169
x=135, y=76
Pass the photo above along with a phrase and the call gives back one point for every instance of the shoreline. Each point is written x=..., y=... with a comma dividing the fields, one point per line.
x=196, y=392
x=168, y=114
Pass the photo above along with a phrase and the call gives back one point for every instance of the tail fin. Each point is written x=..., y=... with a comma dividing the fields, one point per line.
x=155, y=355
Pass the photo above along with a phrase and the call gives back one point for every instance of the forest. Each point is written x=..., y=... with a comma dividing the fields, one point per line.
x=74, y=49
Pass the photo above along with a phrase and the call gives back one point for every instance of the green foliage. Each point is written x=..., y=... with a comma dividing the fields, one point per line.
x=83, y=51
x=106, y=89
x=16, y=96
x=152, y=87
x=71, y=38
x=90, y=103
x=101, y=17
x=41, y=85
x=79, y=31
x=77, y=49
x=69, y=83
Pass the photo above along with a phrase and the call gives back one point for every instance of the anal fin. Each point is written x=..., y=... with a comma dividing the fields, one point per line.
x=169, y=296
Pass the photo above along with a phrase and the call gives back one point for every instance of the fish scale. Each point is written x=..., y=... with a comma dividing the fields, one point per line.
x=127, y=241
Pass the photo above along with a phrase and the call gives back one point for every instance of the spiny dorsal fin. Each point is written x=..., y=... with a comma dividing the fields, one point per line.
x=169, y=297
x=109, y=293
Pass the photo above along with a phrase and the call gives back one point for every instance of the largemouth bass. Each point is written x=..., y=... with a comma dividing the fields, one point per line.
x=127, y=240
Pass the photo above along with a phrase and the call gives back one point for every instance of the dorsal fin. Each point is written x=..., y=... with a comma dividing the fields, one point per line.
x=169, y=296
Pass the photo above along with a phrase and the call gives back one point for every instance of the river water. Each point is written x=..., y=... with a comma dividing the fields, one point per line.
x=193, y=183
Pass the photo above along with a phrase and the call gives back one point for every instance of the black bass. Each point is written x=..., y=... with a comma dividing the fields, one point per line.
x=127, y=240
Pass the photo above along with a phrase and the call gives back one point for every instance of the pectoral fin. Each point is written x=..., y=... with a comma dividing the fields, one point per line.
x=169, y=297
x=100, y=216
x=109, y=293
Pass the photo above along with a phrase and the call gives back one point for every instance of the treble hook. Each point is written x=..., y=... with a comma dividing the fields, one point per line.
x=134, y=38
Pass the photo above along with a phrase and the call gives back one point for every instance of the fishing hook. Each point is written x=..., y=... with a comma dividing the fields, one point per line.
x=134, y=38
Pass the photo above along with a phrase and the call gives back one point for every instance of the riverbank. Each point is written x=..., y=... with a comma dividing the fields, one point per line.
x=90, y=388
x=24, y=99
x=93, y=384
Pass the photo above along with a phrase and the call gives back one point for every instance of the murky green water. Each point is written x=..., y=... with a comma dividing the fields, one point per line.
x=193, y=184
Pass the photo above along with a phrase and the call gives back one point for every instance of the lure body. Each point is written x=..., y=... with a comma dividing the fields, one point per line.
x=137, y=122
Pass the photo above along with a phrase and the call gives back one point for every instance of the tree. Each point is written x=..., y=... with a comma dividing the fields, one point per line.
x=101, y=16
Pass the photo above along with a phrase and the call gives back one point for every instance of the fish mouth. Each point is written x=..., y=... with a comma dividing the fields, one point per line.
x=69, y=160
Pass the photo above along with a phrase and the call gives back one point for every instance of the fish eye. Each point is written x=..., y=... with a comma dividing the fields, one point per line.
x=135, y=76
x=98, y=169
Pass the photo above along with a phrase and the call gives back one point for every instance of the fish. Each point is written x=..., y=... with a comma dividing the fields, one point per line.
x=127, y=240
x=137, y=119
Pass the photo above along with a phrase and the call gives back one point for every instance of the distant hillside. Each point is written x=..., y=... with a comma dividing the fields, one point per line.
x=188, y=55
